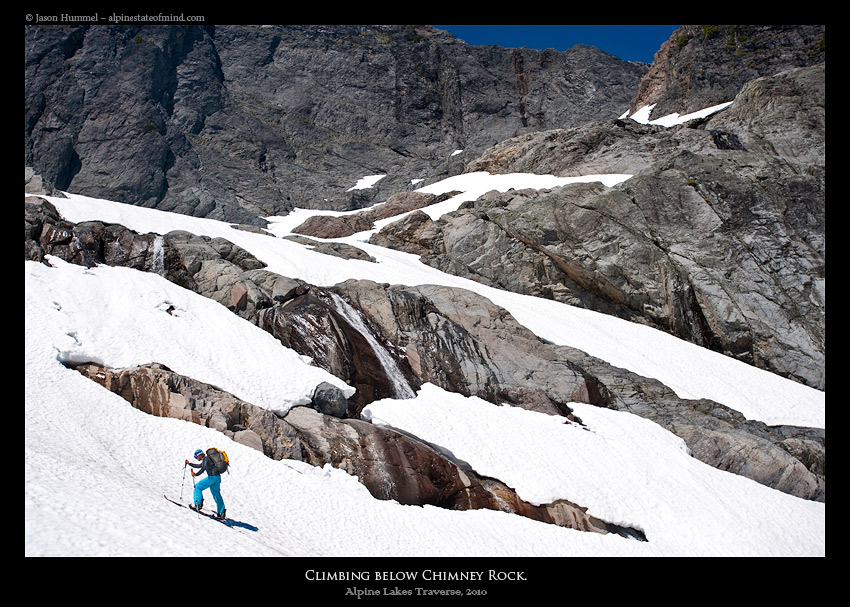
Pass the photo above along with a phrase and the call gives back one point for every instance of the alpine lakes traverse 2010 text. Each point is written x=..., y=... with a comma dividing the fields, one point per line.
x=418, y=591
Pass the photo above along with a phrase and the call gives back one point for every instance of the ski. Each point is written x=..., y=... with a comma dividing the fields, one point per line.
x=205, y=513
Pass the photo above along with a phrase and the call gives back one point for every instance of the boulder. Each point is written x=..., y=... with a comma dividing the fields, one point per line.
x=279, y=289
x=249, y=438
x=35, y=185
x=220, y=271
x=415, y=233
x=329, y=400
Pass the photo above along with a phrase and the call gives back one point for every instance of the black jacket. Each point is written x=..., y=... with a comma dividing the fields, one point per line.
x=206, y=465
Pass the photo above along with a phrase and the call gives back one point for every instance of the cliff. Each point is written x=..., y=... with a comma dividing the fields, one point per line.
x=238, y=122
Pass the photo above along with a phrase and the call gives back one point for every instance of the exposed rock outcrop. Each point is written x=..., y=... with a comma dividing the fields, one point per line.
x=157, y=390
x=391, y=465
x=786, y=458
x=336, y=249
x=462, y=342
x=704, y=65
x=213, y=267
x=719, y=238
x=333, y=226
x=92, y=242
x=315, y=325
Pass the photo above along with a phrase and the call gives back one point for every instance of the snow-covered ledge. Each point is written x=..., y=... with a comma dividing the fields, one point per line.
x=642, y=115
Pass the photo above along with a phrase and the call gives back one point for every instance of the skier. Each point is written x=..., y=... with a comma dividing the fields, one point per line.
x=211, y=482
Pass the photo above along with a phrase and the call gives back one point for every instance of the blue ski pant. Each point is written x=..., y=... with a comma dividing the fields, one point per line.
x=213, y=484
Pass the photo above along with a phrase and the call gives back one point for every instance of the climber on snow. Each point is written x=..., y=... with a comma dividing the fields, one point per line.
x=211, y=482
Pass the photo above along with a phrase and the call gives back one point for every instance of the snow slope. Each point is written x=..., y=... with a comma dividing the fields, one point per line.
x=96, y=469
x=691, y=371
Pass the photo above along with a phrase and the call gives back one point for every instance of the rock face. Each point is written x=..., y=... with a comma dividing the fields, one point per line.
x=157, y=390
x=387, y=341
x=788, y=459
x=460, y=341
x=703, y=65
x=346, y=225
x=718, y=239
x=391, y=465
x=93, y=242
x=317, y=324
x=237, y=122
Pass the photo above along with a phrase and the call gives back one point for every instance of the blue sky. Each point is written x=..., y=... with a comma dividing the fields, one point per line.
x=629, y=42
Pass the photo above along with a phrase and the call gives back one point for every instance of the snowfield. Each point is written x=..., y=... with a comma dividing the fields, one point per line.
x=104, y=497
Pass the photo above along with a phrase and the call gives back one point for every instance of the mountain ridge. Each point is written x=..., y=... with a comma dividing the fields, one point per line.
x=210, y=115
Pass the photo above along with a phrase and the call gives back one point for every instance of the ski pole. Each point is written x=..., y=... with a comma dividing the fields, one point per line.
x=182, y=482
